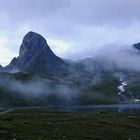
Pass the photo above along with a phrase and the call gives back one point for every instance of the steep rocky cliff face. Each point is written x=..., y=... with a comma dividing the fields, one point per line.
x=137, y=46
x=87, y=81
x=36, y=56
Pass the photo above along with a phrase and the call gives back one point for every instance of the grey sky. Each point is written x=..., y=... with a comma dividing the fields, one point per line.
x=73, y=28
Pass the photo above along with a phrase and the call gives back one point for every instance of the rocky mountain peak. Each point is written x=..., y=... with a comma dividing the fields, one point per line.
x=36, y=56
x=33, y=43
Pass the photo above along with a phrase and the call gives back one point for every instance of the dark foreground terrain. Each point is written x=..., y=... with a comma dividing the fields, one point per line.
x=43, y=124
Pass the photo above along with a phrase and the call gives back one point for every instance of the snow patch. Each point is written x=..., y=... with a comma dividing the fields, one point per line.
x=137, y=100
x=122, y=86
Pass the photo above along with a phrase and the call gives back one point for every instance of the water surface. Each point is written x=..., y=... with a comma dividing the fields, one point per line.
x=94, y=108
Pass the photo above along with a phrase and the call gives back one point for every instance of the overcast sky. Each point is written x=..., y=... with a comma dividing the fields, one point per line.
x=73, y=28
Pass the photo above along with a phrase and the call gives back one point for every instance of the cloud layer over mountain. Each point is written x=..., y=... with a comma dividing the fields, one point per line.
x=82, y=25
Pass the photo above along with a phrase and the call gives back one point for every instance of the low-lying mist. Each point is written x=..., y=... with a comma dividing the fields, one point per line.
x=83, y=86
x=39, y=89
x=123, y=57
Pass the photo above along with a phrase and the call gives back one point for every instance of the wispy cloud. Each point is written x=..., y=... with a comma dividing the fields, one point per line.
x=73, y=28
x=5, y=54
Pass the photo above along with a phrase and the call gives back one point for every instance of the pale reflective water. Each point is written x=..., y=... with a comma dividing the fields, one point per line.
x=93, y=108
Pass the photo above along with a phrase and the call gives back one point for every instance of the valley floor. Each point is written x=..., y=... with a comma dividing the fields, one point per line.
x=43, y=124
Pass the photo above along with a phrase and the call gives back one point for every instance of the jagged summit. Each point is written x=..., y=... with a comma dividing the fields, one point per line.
x=33, y=42
x=32, y=34
x=36, y=56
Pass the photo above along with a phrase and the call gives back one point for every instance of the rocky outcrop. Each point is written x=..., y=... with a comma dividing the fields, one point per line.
x=35, y=56
x=137, y=46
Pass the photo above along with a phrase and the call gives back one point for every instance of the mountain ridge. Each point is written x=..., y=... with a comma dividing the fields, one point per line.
x=38, y=75
x=36, y=56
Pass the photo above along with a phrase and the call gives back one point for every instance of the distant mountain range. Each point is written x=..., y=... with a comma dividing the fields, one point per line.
x=35, y=56
x=39, y=77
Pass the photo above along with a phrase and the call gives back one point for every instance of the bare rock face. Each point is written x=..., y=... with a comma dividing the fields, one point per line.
x=36, y=56
x=137, y=46
x=1, y=68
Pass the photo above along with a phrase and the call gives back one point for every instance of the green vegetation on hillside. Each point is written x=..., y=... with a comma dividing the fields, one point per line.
x=42, y=124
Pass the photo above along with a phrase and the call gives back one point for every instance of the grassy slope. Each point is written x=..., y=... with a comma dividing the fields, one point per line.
x=104, y=92
x=36, y=124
